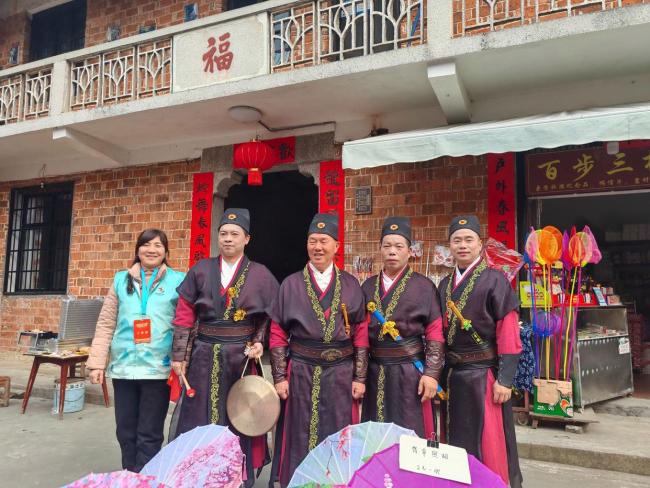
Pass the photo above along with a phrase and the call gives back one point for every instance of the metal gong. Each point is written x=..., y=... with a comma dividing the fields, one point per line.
x=253, y=405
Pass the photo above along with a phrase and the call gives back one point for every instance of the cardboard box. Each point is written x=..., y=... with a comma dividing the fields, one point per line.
x=553, y=397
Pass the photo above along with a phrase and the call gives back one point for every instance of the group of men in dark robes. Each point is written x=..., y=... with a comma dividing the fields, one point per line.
x=342, y=352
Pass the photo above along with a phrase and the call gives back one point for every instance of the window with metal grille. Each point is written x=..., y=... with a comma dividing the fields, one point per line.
x=38, y=242
x=58, y=30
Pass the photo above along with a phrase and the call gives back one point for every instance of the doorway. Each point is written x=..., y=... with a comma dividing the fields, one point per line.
x=281, y=211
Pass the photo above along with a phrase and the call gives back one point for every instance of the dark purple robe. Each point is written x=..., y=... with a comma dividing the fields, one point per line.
x=214, y=367
x=320, y=397
x=487, y=299
x=392, y=389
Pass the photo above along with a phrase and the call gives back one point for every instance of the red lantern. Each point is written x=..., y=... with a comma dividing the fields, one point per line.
x=255, y=156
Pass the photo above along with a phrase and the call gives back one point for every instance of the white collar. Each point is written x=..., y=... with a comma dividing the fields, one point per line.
x=387, y=281
x=228, y=266
x=327, y=272
x=228, y=271
x=460, y=276
x=322, y=279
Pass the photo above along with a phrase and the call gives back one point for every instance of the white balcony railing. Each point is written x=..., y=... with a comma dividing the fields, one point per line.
x=25, y=96
x=331, y=30
x=37, y=93
x=11, y=95
x=116, y=76
x=299, y=34
x=478, y=16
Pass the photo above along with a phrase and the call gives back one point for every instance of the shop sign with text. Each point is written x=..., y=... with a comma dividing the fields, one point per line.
x=589, y=170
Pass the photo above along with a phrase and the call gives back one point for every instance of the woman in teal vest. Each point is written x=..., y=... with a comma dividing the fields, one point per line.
x=135, y=329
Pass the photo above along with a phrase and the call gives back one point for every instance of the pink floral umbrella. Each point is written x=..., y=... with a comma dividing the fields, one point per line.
x=383, y=471
x=208, y=456
x=116, y=479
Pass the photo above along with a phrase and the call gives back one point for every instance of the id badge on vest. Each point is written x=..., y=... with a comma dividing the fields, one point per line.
x=142, y=323
x=142, y=329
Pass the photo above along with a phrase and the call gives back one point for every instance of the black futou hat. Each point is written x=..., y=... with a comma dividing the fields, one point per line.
x=397, y=225
x=470, y=222
x=325, y=223
x=237, y=216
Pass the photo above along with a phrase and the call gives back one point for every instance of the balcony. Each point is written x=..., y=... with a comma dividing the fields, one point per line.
x=292, y=35
x=296, y=35
x=332, y=30
x=479, y=16
x=342, y=66
x=25, y=96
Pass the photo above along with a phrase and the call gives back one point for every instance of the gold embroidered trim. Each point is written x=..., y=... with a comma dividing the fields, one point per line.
x=233, y=291
x=460, y=304
x=401, y=286
x=328, y=325
x=315, y=395
x=214, y=385
x=381, y=383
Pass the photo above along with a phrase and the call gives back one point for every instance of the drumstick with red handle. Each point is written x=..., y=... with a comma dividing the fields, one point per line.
x=189, y=391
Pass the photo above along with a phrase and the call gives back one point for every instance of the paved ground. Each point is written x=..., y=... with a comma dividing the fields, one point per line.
x=37, y=450
x=539, y=474
x=616, y=442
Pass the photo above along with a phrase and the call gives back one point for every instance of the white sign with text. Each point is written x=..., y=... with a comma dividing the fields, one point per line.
x=223, y=52
x=446, y=462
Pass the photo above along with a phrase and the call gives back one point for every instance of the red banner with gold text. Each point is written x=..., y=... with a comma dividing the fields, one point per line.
x=332, y=199
x=201, y=217
x=502, y=210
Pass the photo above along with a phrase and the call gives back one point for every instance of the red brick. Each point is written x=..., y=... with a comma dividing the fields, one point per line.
x=429, y=192
x=131, y=14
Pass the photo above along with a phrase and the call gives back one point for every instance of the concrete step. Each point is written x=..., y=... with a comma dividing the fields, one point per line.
x=615, y=443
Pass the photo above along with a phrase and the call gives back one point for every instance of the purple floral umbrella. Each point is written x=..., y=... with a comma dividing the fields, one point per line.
x=382, y=471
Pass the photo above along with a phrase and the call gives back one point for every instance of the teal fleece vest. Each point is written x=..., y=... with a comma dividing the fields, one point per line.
x=144, y=361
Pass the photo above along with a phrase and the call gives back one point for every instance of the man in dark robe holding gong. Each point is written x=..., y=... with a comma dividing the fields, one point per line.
x=481, y=326
x=407, y=351
x=226, y=303
x=319, y=349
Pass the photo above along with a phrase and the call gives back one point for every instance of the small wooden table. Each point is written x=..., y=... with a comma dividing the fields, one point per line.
x=67, y=365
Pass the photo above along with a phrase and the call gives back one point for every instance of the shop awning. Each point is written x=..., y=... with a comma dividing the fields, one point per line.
x=542, y=131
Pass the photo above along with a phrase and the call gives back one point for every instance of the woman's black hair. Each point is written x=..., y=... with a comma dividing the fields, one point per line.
x=144, y=237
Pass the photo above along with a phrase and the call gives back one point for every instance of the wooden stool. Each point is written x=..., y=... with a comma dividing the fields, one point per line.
x=5, y=383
